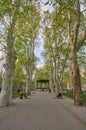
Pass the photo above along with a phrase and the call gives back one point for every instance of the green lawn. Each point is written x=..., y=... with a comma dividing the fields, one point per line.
x=84, y=97
x=15, y=95
x=70, y=95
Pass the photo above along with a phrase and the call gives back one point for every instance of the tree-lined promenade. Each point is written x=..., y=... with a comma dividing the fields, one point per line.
x=64, y=34
x=41, y=111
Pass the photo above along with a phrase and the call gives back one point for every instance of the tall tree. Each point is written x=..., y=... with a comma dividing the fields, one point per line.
x=9, y=11
x=27, y=38
x=76, y=28
x=75, y=44
x=56, y=49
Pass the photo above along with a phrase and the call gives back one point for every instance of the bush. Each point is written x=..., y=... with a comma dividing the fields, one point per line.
x=70, y=95
x=15, y=95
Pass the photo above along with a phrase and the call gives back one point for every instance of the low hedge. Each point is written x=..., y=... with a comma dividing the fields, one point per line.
x=70, y=95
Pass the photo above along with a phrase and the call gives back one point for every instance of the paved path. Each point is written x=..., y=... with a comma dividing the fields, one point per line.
x=41, y=112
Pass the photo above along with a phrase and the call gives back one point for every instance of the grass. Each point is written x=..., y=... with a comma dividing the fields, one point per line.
x=15, y=95
x=70, y=95
x=84, y=97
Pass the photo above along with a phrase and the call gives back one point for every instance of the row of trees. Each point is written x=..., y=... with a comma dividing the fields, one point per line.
x=19, y=22
x=65, y=42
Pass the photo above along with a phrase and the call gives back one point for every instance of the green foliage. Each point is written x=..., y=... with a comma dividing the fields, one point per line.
x=84, y=97
x=25, y=31
x=56, y=48
x=66, y=79
x=16, y=95
x=20, y=76
x=42, y=73
x=70, y=95
x=27, y=28
x=1, y=78
x=83, y=75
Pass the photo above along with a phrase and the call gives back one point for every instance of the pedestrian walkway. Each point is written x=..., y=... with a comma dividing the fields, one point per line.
x=78, y=111
x=7, y=111
x=42, y=111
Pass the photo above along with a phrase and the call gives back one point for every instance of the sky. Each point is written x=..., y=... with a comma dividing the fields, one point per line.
x=39, y=49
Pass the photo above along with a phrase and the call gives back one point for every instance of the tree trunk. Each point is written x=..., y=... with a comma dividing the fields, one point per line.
x=6, y=93
x=76, y=81
x=57, y=85
x=73, y=40
x=56, y=79
x=28, y=91
x=28, y=83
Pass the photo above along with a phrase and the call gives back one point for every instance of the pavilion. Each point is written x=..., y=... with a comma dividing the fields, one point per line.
x=43, y=84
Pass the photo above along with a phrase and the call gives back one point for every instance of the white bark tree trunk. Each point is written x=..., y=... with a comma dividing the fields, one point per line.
x=28, y=82
x=30, y=65
x=57, y=82
x=6, y=93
